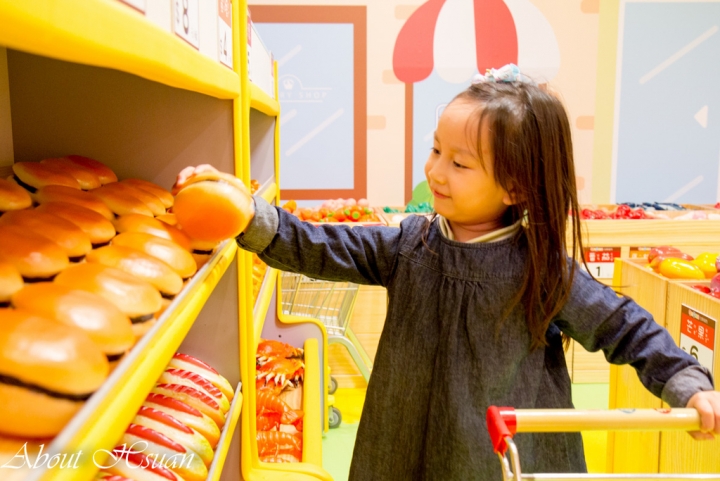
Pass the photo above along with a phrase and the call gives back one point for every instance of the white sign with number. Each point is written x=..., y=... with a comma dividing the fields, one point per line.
x=697, y=336
x=225, y=38
x=186, y=20
x=601, y=261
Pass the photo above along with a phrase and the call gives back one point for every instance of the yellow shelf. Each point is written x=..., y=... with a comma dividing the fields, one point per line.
x=262, y=102
x=226, y=438
x=107, y=33
x=103, y=419
x=269, y=192
x=262, y=304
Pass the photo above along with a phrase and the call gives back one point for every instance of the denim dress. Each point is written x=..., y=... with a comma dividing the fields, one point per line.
x=446, y=352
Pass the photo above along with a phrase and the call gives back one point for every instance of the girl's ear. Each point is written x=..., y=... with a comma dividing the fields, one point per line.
x=511, y=197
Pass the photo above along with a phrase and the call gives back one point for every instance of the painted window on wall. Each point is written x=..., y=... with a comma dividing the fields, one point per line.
x=667, y=144
x=315, y=89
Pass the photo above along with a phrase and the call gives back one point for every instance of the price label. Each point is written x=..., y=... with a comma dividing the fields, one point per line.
x=186, y=19
x=601, y=261
x=639, y=252
x=136, y=4
x=697, y=336
x=225, y=38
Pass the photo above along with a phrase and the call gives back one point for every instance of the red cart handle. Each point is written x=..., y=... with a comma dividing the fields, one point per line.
x=501, y=424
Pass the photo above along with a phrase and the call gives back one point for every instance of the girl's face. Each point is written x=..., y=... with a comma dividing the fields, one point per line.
x=463, y=185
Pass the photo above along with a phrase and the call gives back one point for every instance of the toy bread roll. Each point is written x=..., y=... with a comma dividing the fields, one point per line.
x=10, y=282
x=98, y=228
x=166, y=451
x=190, y=363
x=173, y=428
x=189, y=378
x=150, y=200
x=121, y=203
x=164, y=195
x=169, y=219
x=136, y=299
x=31, y=176
x=13, y=197
x=102, y=171
x=138, y=467
x=140, y=265
x=186, y=414
x=213, y=207
x=67, y=235
x=47, y=371
x=194, y=398
x=153, y=226
x=167, y=251
x=61, y=193
x=109, y=328
x=35, y=257
x=86, y=178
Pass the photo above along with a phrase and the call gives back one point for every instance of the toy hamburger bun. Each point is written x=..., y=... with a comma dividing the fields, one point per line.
x=153, y=226
x=166, y=424
x=98, y=228
x=67, y=235
x=194, y=398
x=167, y=251
x=10, y=282
x=189, y=378
x=140, y=265
x=136, y=299
x=186, y=414
x=86, y=178
x=168, y=452
x=31, y=176
x=136, y=466
x=35, y=257
x=190, y=363
x=61, y=193
x=120, y=202
x=150, y=200
x=102, y=171
x=169, y=219
x=13, y=197
x=213, y=206
x=47, y=371
x=164, y=195
x=109, y=328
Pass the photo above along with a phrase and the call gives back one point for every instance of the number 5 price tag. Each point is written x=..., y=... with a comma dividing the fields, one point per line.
x=225, y=38
x=186, y=20
x=601, y=261
x=697, y=336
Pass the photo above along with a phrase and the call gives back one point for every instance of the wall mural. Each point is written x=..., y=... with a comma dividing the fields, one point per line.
x=443, y=44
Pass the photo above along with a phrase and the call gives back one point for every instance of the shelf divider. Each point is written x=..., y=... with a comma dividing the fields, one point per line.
x=226, y=438
x=259, y=100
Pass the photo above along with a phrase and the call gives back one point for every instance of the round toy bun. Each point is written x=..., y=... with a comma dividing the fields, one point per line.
x=13, y=197
x=86, y=178
x=121, y=202
x=35, y=257
x=165, y=250
x=10, y=281
x=164, y=195
x=150, y=200
x=61, y=193
x=153, y=226
x=34, y=175
x=102, y=171
x=67, y=235
x=98, y=228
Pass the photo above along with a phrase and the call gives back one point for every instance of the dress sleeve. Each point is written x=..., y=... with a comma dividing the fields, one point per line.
x=597, y=318
x=363, y=255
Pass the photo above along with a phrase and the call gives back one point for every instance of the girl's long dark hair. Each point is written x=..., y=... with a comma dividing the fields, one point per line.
x=533, y=159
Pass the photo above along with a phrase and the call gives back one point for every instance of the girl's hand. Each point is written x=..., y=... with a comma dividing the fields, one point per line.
x=707, y=404
x=188, y=172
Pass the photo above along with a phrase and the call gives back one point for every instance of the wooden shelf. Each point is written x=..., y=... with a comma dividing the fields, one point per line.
x=106, y=415
x=106, y=33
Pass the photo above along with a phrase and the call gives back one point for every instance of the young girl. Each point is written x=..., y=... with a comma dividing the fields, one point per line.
x=481, y=296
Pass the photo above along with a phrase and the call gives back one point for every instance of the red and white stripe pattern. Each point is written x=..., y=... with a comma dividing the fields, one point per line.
x=458, y=38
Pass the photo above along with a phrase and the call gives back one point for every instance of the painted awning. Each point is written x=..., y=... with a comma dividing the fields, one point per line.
x=458, y=38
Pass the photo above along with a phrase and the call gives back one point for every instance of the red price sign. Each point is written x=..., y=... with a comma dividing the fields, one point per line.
x=639, y=252
x=225, y=38
x=601, y=261
x=697, y=336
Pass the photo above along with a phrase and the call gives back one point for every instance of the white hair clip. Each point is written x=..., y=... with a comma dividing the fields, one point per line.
x=506, y=74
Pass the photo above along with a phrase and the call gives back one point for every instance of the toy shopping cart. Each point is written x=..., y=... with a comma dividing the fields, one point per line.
x=331, y=303
x=503, y=423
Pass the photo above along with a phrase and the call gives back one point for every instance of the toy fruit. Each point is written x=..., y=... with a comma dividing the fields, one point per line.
x=659, y=250
x=704, y=289
x=673, y=268
x=657, y=260
x=707, y=262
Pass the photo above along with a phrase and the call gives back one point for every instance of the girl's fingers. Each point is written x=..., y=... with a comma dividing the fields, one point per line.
x=707, y=415
x=715, y=403
x=700, y=436
x=188, y=172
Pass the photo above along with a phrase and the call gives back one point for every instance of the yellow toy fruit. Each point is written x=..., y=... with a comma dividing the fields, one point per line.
x=680, y=269
x=706, y=263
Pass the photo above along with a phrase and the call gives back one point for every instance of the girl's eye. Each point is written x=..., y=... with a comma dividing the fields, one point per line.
x=460, y=166
x=435, y=151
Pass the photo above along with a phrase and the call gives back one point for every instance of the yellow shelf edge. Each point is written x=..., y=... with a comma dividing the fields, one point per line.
x=106, y=33
x=101, y=422
x=226, y=438
x=269, y=192
x=263, y=302
x=261, y=101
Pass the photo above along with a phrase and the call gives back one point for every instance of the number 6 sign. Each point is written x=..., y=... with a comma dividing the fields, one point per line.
x=697, y=336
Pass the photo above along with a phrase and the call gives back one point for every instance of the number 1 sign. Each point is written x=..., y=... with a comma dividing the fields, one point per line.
x=697, y=336
x=601, y=261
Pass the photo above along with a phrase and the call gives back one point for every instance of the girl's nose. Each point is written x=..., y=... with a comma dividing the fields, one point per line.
x=436, y=174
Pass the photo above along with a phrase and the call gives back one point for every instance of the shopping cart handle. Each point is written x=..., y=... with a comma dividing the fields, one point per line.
x=501, y=424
